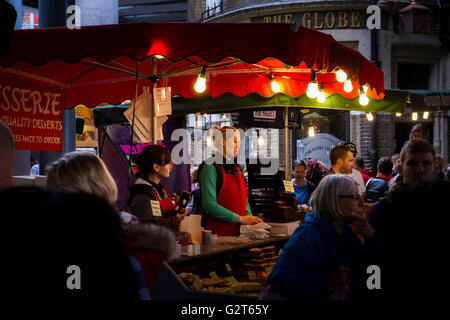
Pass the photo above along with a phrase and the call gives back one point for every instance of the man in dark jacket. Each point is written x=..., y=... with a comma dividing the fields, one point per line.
x=377, y=186
x=418, y=160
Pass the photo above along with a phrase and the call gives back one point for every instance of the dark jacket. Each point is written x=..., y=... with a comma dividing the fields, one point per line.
x=376, y=188
x=150, y=244
x=139, y=204
x=312, y=253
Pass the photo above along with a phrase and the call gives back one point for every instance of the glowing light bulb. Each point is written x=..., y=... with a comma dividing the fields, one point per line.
x=425, y=115
x=398, y=114
x=369, y=116
x=414, y=116
x=348, y=87
x=275, y=86
x=311, y=132
x=224, y=116
x=321, y=96
x=363, y=99
x=158, y=56
x=260, y=141
x=200, y=85
x=341, y=76
x=313, y=90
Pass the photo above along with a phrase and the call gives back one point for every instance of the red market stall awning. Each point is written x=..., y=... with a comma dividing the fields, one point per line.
x=100, y=63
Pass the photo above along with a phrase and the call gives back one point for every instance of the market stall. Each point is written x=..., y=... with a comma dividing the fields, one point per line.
x=98, y=64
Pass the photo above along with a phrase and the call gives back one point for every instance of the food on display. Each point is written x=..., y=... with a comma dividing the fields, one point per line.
x=247, y=276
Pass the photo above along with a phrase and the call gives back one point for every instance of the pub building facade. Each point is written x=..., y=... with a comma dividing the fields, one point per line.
x=413, y=56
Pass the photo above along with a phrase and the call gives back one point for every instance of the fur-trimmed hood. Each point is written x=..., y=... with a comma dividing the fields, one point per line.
x=152, y=237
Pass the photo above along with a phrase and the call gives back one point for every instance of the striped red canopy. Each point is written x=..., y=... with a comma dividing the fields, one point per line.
x=99, y=63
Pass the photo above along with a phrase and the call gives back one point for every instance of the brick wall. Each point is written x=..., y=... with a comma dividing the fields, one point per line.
x=360, y=133
x=195, y=8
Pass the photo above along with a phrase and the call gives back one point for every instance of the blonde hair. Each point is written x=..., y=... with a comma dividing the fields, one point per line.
x=85, y=172
x=325, y=199
x=218, y=141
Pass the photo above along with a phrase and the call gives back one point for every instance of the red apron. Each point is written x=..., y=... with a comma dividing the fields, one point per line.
x=165, y=204
x=232, y=196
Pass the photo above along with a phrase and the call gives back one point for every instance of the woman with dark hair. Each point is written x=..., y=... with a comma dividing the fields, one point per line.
x=149, y=200
x=315, y=171
x=303, y=188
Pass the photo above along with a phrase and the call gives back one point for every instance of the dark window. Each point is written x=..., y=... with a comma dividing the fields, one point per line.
x=413, y=76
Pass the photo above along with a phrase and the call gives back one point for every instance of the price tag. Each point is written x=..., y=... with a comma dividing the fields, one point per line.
x=213, y=275
x=156, y=208
x=288, y=186
x=198, y=284
x=228, y=267
x=252, y=275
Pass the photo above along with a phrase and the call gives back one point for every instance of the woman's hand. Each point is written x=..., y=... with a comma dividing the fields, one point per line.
x=181, y=216
x=362, y=226
x=249, y=220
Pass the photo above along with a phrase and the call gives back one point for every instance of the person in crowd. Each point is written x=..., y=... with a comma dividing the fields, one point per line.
x=315, y=171
x=395, y=159
x=417, y=165
x=149, y=200
x=342, y=160
x=396, y=177
x=324, y=257
x=54, y=242
x=440, y=166
x=87, y=173
x=303, y=188
x=365, y=173
x=223, y=188
x=34, y=167
x=377, y=186
x=355, y=174
x=418, y=131
x=6, y=156
x=67, y=246
x=195, y=205
x=414, y=243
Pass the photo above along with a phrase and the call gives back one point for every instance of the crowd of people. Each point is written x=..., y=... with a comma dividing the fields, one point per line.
x=120, y=252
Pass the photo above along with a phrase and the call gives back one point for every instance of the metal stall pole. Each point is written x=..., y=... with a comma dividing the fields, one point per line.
x=153, y=113
x=286, y=130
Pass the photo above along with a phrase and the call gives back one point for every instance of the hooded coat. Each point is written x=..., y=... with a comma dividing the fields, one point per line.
x=312, y=253
x=150, y=244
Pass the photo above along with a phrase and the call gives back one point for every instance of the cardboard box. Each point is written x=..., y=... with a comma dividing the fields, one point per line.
x=23, y=181
x=286, y=228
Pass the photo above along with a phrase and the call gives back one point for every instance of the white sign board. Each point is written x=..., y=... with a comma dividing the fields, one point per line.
x=317, y=147
x=163, y=101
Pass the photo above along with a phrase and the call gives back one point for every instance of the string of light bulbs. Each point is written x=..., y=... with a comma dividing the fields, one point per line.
x=313, y=90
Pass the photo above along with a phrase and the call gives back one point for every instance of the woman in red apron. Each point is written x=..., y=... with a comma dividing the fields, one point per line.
x=149, y=200
x=227, y=208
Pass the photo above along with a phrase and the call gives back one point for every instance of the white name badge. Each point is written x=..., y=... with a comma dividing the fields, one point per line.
x=288, y=186
x=156, y=208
